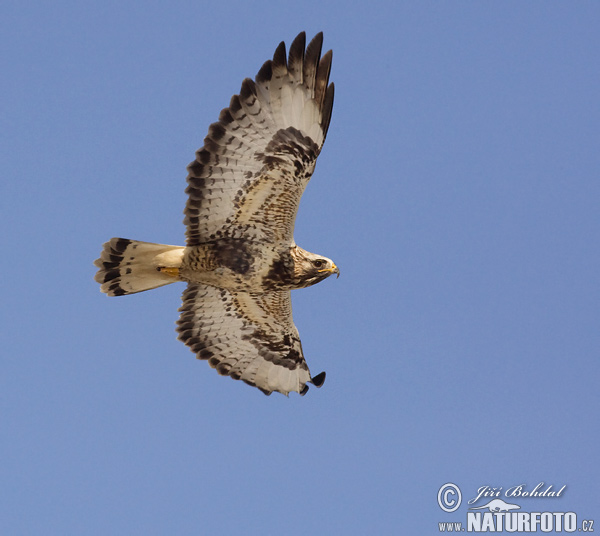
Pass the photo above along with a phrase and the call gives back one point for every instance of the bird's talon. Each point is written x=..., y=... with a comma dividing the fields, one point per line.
x=173, y=272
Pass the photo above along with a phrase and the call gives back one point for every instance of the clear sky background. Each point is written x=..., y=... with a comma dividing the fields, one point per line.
x=459, y=193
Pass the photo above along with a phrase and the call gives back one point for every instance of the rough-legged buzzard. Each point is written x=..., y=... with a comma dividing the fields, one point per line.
x=241, y=261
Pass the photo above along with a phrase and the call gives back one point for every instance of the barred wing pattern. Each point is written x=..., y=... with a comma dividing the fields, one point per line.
x=247, y=179
x=250, y=337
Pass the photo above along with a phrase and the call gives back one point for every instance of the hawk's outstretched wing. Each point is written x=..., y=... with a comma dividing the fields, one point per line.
x=247, y=179
x=250, y=337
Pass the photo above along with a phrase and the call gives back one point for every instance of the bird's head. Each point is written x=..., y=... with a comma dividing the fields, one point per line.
x=311, y=268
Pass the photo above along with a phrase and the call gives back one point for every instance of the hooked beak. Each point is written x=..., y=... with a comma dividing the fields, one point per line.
x=333, y=270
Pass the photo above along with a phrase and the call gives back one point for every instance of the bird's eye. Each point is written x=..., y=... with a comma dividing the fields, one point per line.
x=318, y=263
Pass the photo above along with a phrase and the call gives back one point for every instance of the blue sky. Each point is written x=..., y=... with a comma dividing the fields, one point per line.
x=458, y=191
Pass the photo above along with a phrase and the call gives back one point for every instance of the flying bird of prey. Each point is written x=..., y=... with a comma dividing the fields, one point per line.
x=240, y=260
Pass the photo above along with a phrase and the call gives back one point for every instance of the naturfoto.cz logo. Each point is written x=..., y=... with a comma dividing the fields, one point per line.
x=494, y=514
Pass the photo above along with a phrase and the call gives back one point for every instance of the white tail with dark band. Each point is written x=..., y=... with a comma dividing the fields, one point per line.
x=130, y=266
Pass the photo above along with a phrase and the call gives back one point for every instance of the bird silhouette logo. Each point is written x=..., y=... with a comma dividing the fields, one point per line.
x=497, y=505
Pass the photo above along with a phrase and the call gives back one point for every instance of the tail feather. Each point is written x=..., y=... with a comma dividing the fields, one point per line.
x=130, y=266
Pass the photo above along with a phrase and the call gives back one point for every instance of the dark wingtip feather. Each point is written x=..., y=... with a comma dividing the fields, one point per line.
x=265, y=73
x=296, y=56
x=298, y=45
x=318, y=380
x=316, y=41
x=327, y=109
x=248, y=89
x=279, y=57
x=322, y=78
x=234, y=105
x=311, y=58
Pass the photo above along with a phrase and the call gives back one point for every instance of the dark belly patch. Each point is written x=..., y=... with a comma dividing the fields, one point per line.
x=235, y=255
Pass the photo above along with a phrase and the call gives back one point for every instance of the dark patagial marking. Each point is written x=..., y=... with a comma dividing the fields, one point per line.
x=289, y=144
